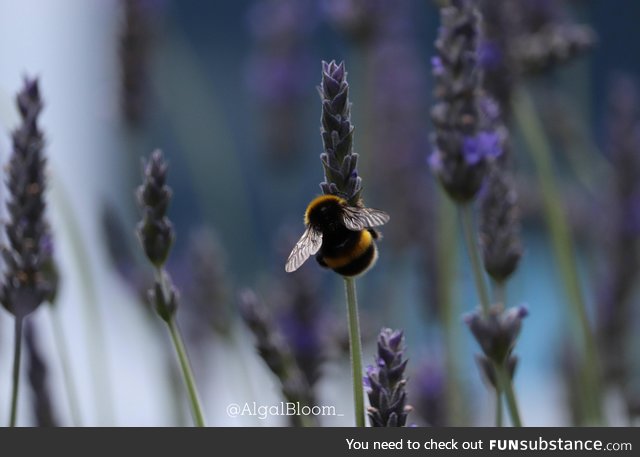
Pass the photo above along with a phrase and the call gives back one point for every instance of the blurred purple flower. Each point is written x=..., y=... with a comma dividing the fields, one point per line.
x=524, y=37
x=497, y=332
x=461, y=148
x=617, y=282
x=278, y=69
x=429, y=385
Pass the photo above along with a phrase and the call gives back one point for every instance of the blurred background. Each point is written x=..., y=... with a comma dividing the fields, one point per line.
x=228, y=91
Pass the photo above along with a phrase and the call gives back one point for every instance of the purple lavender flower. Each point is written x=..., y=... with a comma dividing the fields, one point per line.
x=429, y=393
x=278, y=69
x=26, y=284
x=385, y=382
x=500, y=226
x=136, y=36
x=155, y=231
x=525, y=37
x=302, y=318
x=156, y=235
x=397, y=94
x=462, y=150
x=275, y=351
x=496, y=333
x=338, y=159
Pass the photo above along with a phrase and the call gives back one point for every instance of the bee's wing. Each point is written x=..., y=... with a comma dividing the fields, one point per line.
x=355, y=218
x=308, y=244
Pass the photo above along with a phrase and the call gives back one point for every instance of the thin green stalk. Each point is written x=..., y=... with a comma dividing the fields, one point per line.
x=540, y=150
x=95, y=335
x=355, y=349
x=466, y=214
x=183, y=359
x=189, y=380
x=446, y=252
x=498, y=409
x=500, y=293
x=63, y=353
x=503, y=379
x=16, y=371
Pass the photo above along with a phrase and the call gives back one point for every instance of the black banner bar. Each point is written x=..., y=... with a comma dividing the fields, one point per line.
x=325, y=442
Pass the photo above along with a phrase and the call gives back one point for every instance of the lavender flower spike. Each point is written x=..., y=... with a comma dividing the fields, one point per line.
x=338, y=159
x=461, y=148
x=276, y=353
x=496, y=334
x=500, y=215
x=28, y=252
x=155, y=231
x=385, y=382
x=500, y=226
x=156, y=234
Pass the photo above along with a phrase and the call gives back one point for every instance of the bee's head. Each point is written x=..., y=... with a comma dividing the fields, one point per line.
x=324, y=212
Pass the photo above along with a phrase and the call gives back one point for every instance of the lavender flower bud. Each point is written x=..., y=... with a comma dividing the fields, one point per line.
x=155, y=231
x=462, y=150
x=164, y=301
x=28, y=252
x=338, y=159
x=497, y=332
x=500, y=226
x=385, y=382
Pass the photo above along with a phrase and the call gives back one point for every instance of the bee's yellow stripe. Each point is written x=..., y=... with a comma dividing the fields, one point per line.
x=319, y=201
x=360, y=248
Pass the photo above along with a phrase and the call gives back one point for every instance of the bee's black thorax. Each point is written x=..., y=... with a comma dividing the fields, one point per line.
x=325, y=215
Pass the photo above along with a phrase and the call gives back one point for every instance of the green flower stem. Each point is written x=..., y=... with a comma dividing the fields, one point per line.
x=183, y=358
x=500, y=293
x=504, y=381
x=189, y=380
x=63, y=353
x=95, y=334
x=355, y=349
x=466, y=214
x=540, y=150
x=503, y=384
x=16, y=371
x=446, y=252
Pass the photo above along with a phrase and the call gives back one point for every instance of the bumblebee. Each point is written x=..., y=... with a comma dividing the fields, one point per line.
x=340, y=236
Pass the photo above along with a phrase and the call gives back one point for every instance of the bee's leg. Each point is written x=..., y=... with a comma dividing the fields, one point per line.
x=320, y=260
